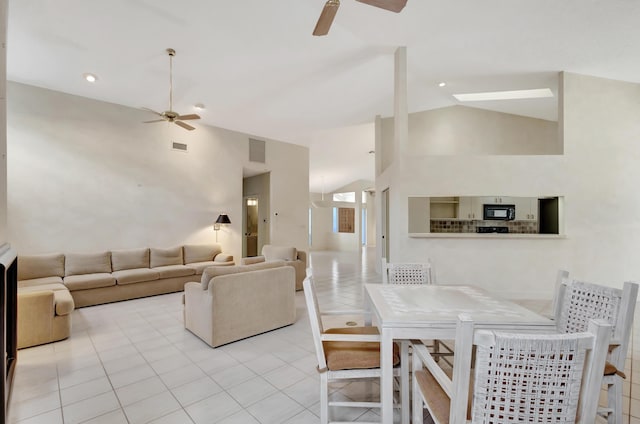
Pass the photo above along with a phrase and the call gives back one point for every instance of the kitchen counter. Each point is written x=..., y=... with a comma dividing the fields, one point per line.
x=489, y=236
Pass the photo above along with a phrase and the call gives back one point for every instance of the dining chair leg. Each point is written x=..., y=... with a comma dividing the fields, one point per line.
x=416, y=401
x=404, y=382
x=324, y=399
x=614, y=400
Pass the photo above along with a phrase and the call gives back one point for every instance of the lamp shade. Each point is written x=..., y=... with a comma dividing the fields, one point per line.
x=223, y=219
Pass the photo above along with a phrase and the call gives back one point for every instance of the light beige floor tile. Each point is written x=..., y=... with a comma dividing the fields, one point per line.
x=242, y=417
x=140, y=390
x=284, y=377
x=51, y=417
x=196, y=390
x=85, y=390
x=90, y=408
x=275, y=409
x=35, y=406
x=113, y=417
x=177, y=417
x=213, y=409
x=130, y=376
x=233, y=376
x=251, y=391
x=151, y=408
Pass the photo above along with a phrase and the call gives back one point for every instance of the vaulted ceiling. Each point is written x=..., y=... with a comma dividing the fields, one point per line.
x=256, y=67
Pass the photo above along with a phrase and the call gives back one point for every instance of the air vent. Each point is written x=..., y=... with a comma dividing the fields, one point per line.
x=179, y=146
x=256, y=150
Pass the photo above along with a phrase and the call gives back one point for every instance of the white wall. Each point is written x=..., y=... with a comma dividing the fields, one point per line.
x=86, y=175
x=596, y=174
x=3, y=122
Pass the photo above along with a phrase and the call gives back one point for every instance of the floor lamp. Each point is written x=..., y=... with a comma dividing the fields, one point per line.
x=222, y=219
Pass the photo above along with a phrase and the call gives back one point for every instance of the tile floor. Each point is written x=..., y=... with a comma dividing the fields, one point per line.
x=133, y=362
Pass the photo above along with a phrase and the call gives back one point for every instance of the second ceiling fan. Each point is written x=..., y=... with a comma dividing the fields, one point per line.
x=331, y=8
x=169, y=115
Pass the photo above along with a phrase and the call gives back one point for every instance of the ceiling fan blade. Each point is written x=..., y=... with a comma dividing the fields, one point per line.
x=392, y=5
x=326, y=17
x=183, y=125
x=188, y=117
x=155, y=120
x=152, y=111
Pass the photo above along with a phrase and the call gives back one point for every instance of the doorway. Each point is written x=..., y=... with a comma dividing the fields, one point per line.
x=251, y=226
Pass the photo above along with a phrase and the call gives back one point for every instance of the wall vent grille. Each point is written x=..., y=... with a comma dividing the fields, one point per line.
x=179, y=146
x=257, y=150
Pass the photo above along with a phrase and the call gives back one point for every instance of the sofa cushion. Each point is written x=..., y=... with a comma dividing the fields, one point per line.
x=87, y=263
x=171, y=271
x=163, y=257
x=64, y=302
x=138, y=275
x=271, y=252
x=43, y=287
x=89, y=281
x=214, y=271
x=200, y=252
x=129, y=259
x=37, y=266
x=35, y=282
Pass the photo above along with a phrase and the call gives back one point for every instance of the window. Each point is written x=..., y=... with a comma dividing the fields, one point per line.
x=345, y=197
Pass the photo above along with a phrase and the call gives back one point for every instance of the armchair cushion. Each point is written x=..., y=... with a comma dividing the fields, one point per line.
x=215, y=271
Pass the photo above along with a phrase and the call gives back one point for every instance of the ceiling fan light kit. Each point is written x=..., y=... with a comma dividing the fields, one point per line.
x=169, y=115
x=331, y=8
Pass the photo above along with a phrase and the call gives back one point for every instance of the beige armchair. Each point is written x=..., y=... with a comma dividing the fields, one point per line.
x=292, y=257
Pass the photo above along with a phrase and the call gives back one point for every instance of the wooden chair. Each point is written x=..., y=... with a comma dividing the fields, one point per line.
x=577, y=303
x=347, y=353
x=552, y=378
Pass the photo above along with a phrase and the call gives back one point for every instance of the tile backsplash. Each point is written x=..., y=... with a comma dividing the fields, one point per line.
x=461, y=226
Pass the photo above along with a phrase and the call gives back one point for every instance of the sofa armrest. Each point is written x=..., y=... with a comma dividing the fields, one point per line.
x=302, y=257
x=36, y=311
x=252, y=260
x=223, y=257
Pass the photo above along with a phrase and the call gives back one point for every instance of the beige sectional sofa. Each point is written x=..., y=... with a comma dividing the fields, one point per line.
x=292, y=257
x=233, y=303
x=51, y=286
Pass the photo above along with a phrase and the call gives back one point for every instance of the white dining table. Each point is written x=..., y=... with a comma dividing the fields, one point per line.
x=405, y=312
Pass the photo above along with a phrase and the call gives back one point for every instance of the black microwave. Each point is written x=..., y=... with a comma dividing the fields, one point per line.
x=499, y=212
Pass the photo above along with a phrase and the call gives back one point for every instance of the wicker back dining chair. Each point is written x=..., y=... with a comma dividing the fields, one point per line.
x=518, y=378
x=407, y=273
x=577, y=303
x=347, y=354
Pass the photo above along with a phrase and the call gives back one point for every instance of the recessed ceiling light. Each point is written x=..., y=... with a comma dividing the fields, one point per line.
x=504, y=95
x=199, y=106
x=442, y=84
x=90, y=77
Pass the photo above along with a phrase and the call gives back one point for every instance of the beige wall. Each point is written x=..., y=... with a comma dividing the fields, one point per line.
x=596, y=174
x=461, y=130
x=86, y=175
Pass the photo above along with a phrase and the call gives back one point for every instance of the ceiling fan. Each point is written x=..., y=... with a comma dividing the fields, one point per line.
x=331, y=8
x=169, y=115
